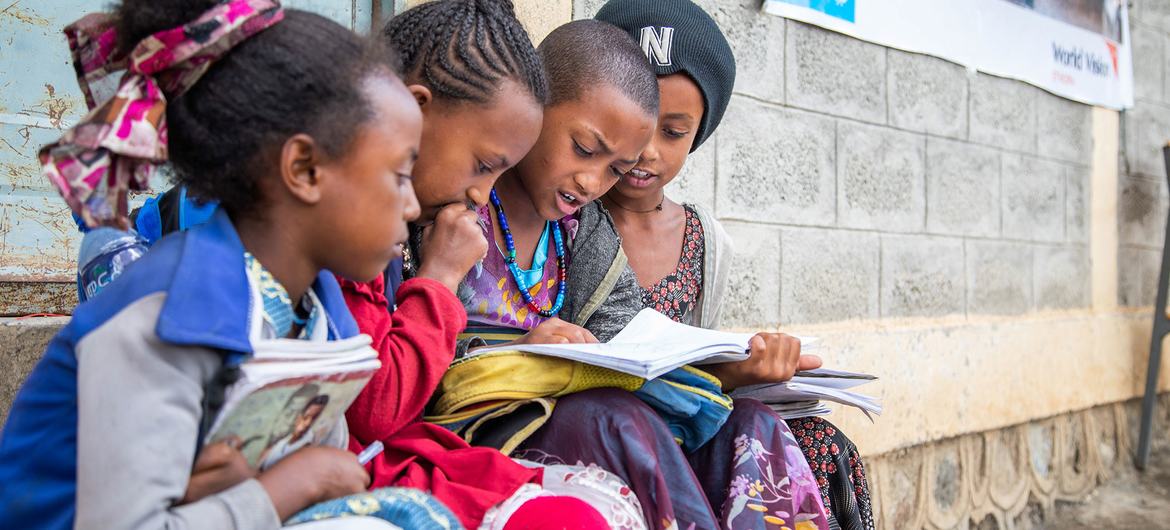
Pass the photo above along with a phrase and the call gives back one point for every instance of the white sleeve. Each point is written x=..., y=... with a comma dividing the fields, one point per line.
x=139, y=408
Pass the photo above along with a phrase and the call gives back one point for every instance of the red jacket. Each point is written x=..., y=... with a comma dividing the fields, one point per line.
x=416, y=343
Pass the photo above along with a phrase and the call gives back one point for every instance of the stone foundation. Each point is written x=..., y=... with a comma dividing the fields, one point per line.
x=1011, y=478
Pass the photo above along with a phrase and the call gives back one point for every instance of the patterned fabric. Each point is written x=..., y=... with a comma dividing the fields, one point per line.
x=278, y=314
x=677, y=294
x=755, y=476
x=489, y=292
x=749, y=476
x=402, y=507
x=597, y=487
x=832, y=457
x=839, y=472
x=117, y=146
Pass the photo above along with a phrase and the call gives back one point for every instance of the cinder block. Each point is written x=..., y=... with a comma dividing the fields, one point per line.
x=1062, y=277
x=776, y=166
x=757, y=40
x=696, y=182
x=1141, y=212
x=1065, y=129
x=835, y=74
x=1149, y=14
x=880, y=178
x=1033, y=199
x=753, y=289
x=828, y=275
x=999, y=277
x=586, y=8
x=1003, y=113
x=922, y=276
x=927, y=94
x=1147, y=128
x=1148, y=49
x=1137, y=276
x=962, y=188
x=1077, y=205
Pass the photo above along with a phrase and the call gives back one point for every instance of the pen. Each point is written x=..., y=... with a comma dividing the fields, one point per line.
x=370, y=452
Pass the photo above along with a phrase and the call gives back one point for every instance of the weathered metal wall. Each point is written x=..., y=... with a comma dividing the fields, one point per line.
x=38, y=98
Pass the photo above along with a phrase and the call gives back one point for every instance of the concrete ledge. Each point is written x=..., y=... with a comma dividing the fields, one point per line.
x=946, y=377
x=22, y=342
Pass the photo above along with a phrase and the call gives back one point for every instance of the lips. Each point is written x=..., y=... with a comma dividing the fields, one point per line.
x=639, y=178
x=568, y=203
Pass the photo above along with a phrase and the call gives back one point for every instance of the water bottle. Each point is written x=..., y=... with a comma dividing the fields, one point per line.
x=105, y=253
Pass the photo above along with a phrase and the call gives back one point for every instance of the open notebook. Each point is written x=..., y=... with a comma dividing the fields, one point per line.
x=649, y=346
x=291, y=394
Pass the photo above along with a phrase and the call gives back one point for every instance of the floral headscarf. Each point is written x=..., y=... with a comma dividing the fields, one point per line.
x=120, y=143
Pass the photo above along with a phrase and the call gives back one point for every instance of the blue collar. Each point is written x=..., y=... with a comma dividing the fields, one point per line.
x=209, y=297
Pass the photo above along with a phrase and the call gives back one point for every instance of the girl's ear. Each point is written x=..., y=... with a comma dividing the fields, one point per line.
x=422, y=95
x=300, y=168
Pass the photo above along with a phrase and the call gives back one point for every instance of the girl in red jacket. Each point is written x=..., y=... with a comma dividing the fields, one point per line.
x=481, y=89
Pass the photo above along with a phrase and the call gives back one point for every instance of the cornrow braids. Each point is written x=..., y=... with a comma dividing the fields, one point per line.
x=463, y=49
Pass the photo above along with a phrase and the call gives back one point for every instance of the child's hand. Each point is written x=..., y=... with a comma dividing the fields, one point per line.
x=312, y=475
x=219, y=467
x=557, y=331
x=775, y=357
x=452, y=245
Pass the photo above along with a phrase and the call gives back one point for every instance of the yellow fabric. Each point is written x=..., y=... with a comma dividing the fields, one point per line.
x=519, y=376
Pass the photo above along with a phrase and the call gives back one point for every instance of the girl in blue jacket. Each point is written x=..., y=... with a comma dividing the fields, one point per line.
x=306, y=141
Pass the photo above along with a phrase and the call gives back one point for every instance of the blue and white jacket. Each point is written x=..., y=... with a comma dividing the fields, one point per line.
x=105, y=431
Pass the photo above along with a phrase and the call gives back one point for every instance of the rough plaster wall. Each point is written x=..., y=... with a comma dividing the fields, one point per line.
x=890, y=184
x=1145, y=129
x=38, y=99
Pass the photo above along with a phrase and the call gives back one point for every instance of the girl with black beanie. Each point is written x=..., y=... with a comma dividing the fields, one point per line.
x=679, y=251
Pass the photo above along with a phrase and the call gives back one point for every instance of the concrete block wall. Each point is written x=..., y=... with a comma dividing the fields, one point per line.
x=866, y=182
x=1145, y=129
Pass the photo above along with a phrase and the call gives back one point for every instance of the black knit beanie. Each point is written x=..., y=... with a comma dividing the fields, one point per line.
x=678, y=36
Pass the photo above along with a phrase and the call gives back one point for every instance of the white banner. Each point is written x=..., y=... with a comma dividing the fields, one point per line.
x=1079, y=50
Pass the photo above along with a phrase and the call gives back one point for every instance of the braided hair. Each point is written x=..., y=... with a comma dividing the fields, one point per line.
x=462, y=49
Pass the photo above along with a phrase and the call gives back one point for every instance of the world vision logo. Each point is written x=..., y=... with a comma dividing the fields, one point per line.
x=1112, y=54
x=656, y=44
x=1083, y=60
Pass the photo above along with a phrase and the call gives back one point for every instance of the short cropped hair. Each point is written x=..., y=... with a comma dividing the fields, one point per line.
x=585, y=53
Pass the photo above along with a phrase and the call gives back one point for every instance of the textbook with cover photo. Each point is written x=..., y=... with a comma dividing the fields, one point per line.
x=290, y=395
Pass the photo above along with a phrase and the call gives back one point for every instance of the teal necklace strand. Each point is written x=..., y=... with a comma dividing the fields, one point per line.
x=514, y=269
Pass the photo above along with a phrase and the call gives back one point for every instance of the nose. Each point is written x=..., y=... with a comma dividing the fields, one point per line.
x=410, y=208
x=590, y=184
x=650, y=153
x=478, y=194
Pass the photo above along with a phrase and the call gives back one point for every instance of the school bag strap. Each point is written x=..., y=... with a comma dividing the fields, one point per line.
x=215, y=393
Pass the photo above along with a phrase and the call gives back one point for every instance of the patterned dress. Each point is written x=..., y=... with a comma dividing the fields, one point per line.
x=835, y=462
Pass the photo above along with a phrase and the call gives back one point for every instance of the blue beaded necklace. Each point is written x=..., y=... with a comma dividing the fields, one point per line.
x=518, y=276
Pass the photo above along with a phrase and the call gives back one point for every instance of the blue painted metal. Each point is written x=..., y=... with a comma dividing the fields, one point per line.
x=38, y=98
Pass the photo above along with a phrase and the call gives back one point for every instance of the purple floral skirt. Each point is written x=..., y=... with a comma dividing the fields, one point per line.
x=751, y=475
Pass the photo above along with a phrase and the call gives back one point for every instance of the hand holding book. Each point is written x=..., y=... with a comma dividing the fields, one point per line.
x=773, y=358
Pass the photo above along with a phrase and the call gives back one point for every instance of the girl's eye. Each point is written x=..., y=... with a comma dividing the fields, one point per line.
x=581, y=150
x=674, y=134
x=483, y=168
x=617, y=172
